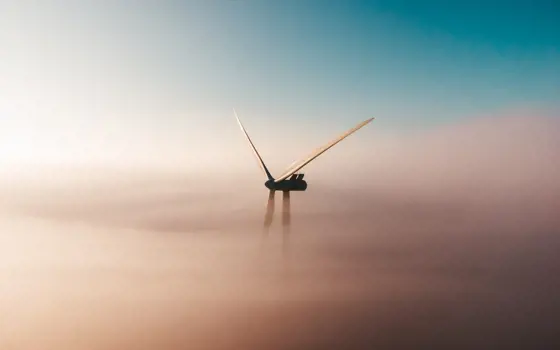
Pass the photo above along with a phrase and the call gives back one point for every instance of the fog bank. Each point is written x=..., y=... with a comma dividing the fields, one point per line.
x=447, y=239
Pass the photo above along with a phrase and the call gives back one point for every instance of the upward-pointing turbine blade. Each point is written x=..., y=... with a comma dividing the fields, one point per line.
x=257, y=155
x=321, y=150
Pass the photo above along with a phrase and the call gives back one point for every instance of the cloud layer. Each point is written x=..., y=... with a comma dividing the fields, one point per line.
x=444, y=239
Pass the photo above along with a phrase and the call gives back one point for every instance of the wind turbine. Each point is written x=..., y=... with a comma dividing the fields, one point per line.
x=290, y=180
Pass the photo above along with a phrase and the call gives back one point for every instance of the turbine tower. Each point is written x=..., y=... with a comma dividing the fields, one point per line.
x=290, y=180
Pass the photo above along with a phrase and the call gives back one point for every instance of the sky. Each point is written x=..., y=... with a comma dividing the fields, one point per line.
x=103, y=81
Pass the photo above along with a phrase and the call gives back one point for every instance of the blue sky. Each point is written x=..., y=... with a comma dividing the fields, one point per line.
x=406, y=64
x=178, y=67
x=410, y=65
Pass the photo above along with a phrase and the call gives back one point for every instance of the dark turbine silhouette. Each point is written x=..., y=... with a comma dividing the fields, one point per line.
x=290, y=180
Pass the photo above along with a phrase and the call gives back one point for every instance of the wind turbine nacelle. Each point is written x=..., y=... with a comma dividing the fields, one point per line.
x=296, y=177
x=287, y=185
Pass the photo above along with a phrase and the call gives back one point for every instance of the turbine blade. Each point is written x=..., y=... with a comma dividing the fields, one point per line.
x=286, y=220
x=269, y=210
x=321, y=150
x=257, y=155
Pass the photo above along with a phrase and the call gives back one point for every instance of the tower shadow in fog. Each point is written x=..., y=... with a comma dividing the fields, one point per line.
x=289, y=181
